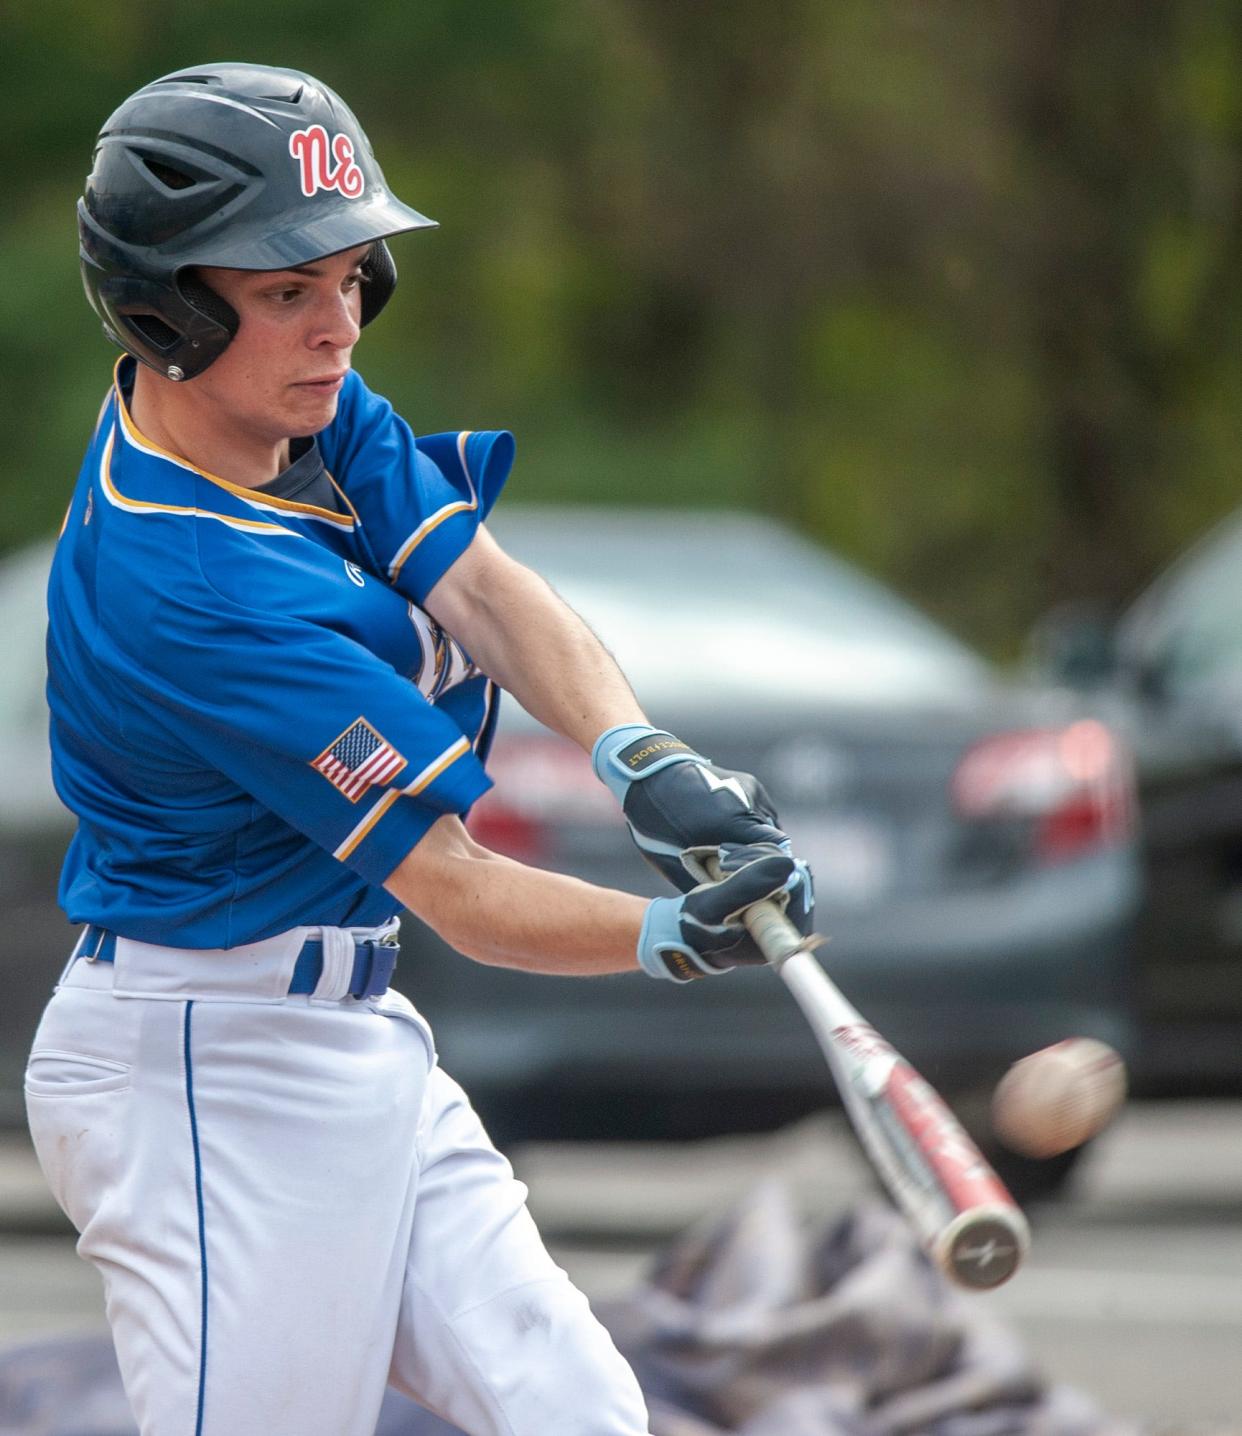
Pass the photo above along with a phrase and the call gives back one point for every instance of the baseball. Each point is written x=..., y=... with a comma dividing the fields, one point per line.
x=1058, y=1097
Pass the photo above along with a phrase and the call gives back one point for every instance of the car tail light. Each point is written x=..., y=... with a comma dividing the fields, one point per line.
x=541, y=782
x=1074, y=786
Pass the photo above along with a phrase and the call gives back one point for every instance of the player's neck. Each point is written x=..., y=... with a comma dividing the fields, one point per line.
x=173, y=418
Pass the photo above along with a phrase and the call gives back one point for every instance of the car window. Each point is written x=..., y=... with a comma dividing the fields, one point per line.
x=1187, y=630
x=735, y=607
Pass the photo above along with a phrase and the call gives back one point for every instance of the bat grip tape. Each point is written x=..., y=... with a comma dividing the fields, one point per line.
x=775, y=936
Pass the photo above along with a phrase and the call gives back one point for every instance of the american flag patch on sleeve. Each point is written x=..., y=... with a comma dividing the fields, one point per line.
x=358, y=760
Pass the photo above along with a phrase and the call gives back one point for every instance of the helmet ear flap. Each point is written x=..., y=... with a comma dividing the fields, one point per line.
x=194, y=327
x=181, y=326
x=381, y=273
x=209, y=303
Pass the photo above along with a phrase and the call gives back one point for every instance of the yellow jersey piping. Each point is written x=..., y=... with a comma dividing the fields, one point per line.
x=139, y=506
x=139, y=440
x=344, y=498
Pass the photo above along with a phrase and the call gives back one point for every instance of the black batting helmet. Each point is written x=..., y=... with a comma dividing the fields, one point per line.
x=234, y=165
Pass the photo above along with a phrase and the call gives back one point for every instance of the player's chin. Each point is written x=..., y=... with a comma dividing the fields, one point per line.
x=311, y=408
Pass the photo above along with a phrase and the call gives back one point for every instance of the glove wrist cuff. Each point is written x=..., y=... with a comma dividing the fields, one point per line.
x=661, y=950
x=631, y=751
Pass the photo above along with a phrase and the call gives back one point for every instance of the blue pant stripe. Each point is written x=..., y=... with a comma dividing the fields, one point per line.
x=202, y=1225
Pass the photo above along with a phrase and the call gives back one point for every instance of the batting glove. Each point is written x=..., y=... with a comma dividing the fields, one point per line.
x=679, y=806
x=701, y=933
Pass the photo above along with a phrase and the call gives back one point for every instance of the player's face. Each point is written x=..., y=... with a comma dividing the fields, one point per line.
x=282, y=372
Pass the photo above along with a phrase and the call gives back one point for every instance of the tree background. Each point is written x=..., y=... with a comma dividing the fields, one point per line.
x=955, y=289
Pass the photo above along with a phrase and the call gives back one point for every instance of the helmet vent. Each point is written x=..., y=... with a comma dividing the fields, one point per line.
x=169, y=177
x=153, y=329
x=286, y=99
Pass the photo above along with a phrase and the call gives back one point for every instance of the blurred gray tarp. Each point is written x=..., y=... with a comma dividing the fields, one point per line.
x=763, y=1326
x=756, y=1324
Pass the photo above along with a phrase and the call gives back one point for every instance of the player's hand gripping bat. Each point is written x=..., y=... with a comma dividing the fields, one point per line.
x=972, y=1228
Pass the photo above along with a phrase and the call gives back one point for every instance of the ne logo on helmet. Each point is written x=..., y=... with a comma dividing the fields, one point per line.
x=326, y=165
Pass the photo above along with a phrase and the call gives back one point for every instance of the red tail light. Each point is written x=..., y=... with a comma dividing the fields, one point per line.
x=540, y=781
x=1073, y=784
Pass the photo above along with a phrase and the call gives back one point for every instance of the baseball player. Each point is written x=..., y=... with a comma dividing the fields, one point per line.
x=277, y=630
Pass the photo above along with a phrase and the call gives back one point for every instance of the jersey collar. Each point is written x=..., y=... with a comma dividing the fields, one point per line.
x=122, y=384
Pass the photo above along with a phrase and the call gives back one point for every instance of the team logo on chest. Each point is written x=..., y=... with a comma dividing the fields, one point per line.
x=326, y=163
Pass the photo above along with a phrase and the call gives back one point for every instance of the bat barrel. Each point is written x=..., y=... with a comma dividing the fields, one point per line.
x=970, y=1225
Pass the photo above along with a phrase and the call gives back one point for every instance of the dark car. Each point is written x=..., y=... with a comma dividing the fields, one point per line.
x=971, y=841
x=1168, y=674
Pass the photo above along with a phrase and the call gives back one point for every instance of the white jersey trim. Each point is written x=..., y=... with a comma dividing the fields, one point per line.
x=135, y=438
x=140, y=506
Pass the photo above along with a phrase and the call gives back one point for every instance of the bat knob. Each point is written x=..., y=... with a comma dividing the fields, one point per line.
x=983, y=1247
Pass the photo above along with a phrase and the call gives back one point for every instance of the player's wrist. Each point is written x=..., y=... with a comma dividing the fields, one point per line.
x=631, y=751
x=662, y=950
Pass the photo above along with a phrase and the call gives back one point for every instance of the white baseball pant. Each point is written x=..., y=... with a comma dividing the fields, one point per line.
x=292, y=1205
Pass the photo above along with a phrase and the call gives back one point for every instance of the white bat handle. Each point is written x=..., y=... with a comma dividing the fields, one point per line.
x=819, y=997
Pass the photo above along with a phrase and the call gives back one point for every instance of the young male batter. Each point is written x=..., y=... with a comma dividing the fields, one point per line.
x=277, y=629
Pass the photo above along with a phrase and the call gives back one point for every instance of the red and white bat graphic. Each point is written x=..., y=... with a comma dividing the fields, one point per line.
x=972, y=1228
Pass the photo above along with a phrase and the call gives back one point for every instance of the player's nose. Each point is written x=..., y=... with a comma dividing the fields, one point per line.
x=337, y=319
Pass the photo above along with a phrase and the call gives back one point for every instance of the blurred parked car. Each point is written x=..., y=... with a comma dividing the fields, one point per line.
x=1168, y=675
x=970, y=841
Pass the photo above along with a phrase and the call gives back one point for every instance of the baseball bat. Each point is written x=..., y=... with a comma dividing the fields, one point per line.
x=971, y=1227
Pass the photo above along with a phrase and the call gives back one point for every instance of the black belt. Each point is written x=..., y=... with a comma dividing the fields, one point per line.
x=374, y=962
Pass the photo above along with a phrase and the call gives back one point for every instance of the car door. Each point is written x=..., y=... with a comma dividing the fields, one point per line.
x=1181, y=649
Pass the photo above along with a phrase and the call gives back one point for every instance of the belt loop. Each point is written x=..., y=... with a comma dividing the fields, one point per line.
x=338, y=965
x=99, y=936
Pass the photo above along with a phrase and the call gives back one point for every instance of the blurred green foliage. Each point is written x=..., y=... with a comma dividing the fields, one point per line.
x=954, y=288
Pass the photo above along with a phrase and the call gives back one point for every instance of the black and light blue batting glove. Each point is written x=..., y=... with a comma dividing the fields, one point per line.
x=701, y=934
x=679, y=806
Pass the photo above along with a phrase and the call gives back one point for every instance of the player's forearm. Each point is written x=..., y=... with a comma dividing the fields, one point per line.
x=561, y=674
x=505, y=914
x=533, y=644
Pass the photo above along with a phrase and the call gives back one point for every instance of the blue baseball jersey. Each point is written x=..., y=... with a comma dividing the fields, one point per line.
x=252, y=717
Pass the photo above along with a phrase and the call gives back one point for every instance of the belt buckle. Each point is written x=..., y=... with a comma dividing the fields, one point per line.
x=379, y=963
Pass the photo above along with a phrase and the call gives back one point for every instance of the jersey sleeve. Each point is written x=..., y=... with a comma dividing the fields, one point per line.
x=302, y=718
x=420, y=500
